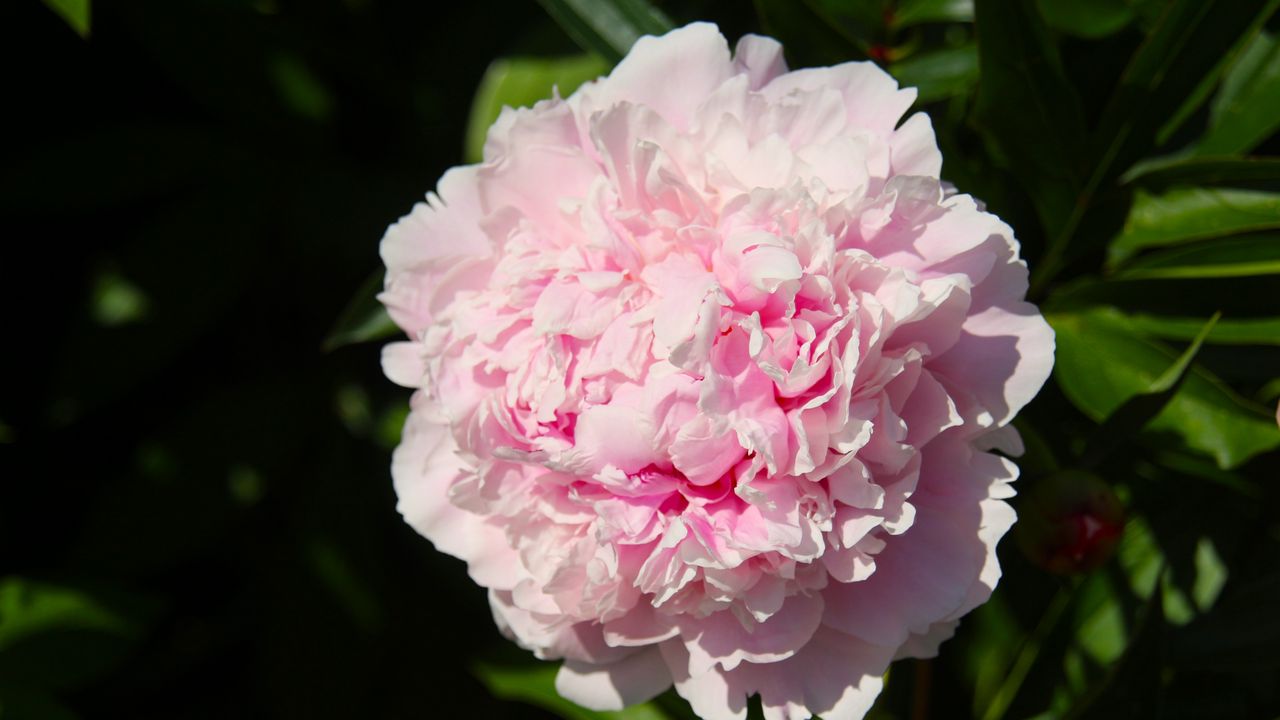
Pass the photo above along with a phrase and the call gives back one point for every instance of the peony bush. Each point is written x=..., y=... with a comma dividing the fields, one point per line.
x=713, y=380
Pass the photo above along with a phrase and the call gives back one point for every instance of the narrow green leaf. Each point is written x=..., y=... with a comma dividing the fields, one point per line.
x=1181, y=58
x=521, y=82
x=939, y=74
x=1183, y=215
x=1177, y=372
x=1103, y=361
x=1246, y=110
x=76, y=13
x=1249, y=331
x=364, y=319
x=1024, y=98
x=536, y=685
x=1222, y=258
x=607, y=27
x=1163, y=173
x=1269, y=392
x=1182, y=54
x=916, y=12
x=1086, y=18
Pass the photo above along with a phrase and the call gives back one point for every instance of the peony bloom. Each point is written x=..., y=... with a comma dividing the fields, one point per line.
x=708, y=367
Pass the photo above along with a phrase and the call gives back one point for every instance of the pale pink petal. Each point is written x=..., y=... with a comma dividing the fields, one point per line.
x=760, y=58
x=634, y=679
x=672, y=74
x=914, y=149
x=402, y=364
x=711, y=694
x=721, y=639
x=709, y=367
x=1003, y=357
x=835, y=676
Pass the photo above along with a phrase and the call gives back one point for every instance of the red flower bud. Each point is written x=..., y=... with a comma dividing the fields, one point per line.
x=1070, y=522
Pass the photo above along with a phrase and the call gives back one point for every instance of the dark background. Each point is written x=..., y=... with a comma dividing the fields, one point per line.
x=199, y=495
x=202, y=467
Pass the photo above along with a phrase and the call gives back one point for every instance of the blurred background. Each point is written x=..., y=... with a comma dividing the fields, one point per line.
x=196, y=512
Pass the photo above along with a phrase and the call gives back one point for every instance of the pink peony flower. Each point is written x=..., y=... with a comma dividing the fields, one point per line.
x=708, y=365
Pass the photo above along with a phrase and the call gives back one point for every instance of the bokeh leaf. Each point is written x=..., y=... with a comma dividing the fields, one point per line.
x=1247, y=108
x=916, y=12
x=1086, y=18
x=364, y=319
x=607, y=27
x=859, y=21
x=536, y=685
x=939, y=74
x=1183, y=215
x=521, y=82
x=1221, y=258
x=1103, y=360
x=54, y=636
x=76, y=13
x=994, y=645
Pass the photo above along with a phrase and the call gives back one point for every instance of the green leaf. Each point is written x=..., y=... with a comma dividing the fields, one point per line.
x=1103, y=361
x=300, y=89
x=1162, y=173
x=76, y=13
x=1247, y=331
x=536, y=685
x=1086, y=18
x=1183, y=215
x=1146, y=565
x=1224, y=258
x=607, y=27
x=1246, y=110
x=29, y=608
x=916, y=12
x=1023, y=99
x=116, y=301
x=1101, y=627
x=861, y=22
x=1180, y=58
x=521, y=82
x=1127, y=420
x=364, y=319
x=939, y=74
x=53, y=636
x=1211, y=575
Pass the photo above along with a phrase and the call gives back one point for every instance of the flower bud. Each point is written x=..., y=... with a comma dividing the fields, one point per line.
x=1070, y=522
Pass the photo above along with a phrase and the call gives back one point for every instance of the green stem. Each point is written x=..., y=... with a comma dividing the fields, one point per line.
x=1027, y=656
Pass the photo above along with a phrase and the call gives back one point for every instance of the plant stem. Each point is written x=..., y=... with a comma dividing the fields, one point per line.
x=1027, y=656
